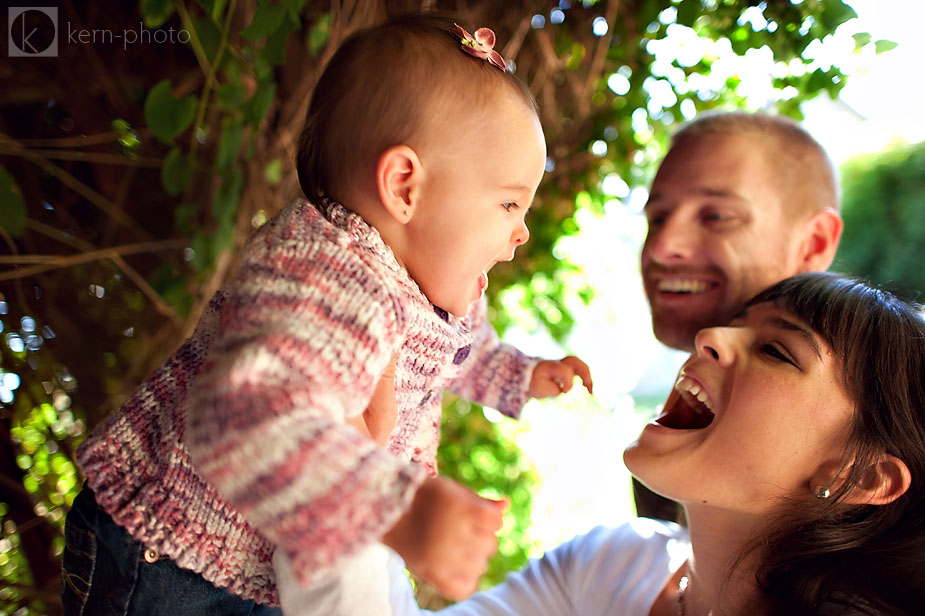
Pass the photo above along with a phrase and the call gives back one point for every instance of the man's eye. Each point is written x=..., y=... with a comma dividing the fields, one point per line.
x=511, y=205
x=772, y=351
x=715, y=217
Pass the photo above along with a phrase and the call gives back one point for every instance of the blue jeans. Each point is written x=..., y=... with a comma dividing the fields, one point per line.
x=106, y=572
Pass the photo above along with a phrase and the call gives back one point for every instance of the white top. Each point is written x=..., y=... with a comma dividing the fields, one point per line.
x=608, y=571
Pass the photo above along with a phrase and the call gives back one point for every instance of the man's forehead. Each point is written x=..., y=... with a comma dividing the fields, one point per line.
x=711, y=193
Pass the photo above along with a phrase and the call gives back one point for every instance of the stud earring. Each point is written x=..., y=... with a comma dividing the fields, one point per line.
x=405, y=212
x=822, y=492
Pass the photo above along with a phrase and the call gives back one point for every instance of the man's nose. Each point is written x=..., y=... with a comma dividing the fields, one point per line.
x=673, y=239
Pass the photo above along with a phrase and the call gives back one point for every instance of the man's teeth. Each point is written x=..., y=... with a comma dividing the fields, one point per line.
x=693, y=388
x=682, y=285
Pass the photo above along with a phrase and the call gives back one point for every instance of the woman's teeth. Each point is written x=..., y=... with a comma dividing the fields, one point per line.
x=692, y=387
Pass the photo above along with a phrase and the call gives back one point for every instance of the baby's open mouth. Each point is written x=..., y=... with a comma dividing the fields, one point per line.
x=687, y=408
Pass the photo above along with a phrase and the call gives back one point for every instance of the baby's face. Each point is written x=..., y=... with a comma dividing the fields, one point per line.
x=480, y=176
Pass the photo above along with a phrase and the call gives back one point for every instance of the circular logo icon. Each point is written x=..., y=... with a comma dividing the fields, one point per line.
x=33, y=31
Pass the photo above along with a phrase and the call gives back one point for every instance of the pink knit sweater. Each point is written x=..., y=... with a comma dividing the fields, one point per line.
x=238, y=441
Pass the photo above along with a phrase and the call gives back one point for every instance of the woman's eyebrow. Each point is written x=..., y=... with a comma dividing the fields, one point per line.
x=785, y=324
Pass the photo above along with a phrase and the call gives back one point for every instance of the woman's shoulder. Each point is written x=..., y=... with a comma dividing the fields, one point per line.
x=638, y=538
x=637, y=531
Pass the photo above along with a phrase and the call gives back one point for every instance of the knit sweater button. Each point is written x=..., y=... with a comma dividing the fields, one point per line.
x=151, y=555
x=462, y=354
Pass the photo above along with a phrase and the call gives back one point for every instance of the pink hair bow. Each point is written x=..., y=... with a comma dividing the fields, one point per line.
x=481, y=45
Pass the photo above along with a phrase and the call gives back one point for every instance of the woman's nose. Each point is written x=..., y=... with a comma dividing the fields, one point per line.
x=715, y=343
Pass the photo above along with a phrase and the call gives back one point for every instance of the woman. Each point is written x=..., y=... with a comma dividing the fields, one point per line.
x=795, y=440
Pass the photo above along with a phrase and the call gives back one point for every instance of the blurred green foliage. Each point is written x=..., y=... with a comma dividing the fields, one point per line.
x=129, y=177
x=884, y=212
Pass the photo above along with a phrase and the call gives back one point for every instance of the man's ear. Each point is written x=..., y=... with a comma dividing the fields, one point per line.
x=823, y=231
x=882, y=483
x=398, y=175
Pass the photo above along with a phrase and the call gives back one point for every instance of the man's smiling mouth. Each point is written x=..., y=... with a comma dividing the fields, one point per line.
x=683, y=285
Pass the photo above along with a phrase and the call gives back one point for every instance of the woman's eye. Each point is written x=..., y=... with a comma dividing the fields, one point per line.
x=772, y=351
x=511, y=205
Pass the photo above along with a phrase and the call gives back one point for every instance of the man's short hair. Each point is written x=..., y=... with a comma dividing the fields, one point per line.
x=804, y=168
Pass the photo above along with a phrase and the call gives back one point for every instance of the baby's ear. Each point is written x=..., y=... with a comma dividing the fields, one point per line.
x=882, y=483
x=398, y=175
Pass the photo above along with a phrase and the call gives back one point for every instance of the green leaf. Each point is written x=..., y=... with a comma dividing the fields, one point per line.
x=274, y=50
x=818, y=80
x=230, y=96
x=229, y=144
x=883, y=45
x=576, y=55
x=260, y=102
x=319, y=33
x=273, y=173
x=202, y=250
x=267, y=19
x=156, y=12
x=225, y=205
x=209, y=36
x=834, y=13
x=184, y=217
x=176, y=172
x=165, y=115
x=208, y=246
x=688, y=11
x=295, y=9
x=218, y=8
x=861, y=39
x=12, y=205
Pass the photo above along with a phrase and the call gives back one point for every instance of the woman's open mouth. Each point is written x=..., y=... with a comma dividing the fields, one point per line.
x=687, y=408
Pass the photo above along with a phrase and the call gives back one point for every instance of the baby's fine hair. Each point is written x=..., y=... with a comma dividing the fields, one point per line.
x=388, y=85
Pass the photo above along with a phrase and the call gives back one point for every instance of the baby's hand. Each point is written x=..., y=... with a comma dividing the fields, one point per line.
x=448, y=535
x=551, y=378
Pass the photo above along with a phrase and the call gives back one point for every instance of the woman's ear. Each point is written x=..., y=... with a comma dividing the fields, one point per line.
x=880, y=484
x=398, y=175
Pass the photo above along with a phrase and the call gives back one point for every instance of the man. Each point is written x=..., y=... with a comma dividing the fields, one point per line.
x=740, y=202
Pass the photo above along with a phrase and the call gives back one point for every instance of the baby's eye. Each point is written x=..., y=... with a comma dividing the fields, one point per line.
x=510, y=205
x=772, y=351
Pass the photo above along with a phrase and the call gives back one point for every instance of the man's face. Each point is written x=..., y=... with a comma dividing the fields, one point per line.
x=719, y=233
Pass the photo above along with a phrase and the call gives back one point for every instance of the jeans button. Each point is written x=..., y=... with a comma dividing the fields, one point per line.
x=151, y=555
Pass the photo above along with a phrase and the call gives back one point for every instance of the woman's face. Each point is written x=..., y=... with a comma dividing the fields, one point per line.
x=759, y=412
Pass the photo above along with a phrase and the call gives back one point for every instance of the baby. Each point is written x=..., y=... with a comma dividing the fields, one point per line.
x=419, y=160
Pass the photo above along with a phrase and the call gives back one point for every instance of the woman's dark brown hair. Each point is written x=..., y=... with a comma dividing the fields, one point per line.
x=827, y=557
